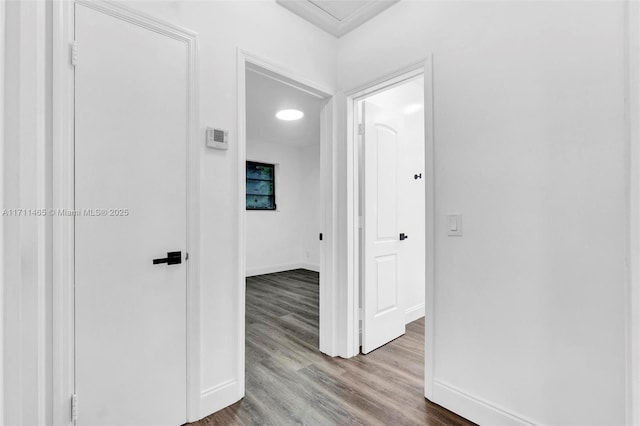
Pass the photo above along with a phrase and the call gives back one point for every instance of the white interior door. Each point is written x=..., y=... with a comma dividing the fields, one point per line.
x=131, y=131
x=384, y=320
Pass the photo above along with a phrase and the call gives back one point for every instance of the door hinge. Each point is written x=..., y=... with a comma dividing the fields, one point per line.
x=186, y=256
x=74, y=407
x=361, y=129
x=320, y=236
x=74, y=53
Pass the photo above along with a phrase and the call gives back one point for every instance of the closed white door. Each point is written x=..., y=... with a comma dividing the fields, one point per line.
x=130, y=150
x=384, y=319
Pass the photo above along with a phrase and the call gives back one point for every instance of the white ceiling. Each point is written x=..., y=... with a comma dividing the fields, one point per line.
x=340, y=10
x=337, y=17
x=265, y=97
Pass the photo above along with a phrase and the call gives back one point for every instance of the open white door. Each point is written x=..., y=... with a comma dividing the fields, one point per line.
x=383, y=320
x=131, y=127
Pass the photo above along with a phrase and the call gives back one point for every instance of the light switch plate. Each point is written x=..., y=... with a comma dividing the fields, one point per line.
x=454, y=225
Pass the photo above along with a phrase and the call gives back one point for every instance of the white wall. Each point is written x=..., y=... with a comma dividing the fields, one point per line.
x=262, y=28
x=310, y=189
x=286, y=238
x=413, y=206
x=530, y=148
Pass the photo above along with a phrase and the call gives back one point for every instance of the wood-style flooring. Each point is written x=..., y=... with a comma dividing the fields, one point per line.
x=288, y=380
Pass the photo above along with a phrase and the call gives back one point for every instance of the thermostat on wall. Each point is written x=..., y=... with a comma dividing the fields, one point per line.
x=217, y=138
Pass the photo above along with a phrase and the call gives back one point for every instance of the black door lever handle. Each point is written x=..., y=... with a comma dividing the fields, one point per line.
x=173, y=258
x=403, y=236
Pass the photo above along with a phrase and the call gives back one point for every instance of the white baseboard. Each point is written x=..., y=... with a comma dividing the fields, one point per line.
x=413, y=313
x=475, y=409
x=310, y=267
x=281, y=268
x=218, y=397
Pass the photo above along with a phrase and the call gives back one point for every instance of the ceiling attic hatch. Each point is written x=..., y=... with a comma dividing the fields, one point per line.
x=337, y=17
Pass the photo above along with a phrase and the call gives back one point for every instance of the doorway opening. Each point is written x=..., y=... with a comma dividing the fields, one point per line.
x=286, y=245
x=282, y=217
x=391, y=153
x=383, y=308
x=282, y=222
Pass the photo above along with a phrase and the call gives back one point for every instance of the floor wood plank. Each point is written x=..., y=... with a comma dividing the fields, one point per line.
x=288, y=380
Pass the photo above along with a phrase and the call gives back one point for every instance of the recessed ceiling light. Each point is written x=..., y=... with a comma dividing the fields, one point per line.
x=412, y=108
x=290, y=114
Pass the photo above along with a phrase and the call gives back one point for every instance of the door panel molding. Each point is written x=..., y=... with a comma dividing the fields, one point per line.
x=387, y=178
x=63, y=198
x=383, y=263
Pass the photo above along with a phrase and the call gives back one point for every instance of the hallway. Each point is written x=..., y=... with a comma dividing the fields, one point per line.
x=290, y=382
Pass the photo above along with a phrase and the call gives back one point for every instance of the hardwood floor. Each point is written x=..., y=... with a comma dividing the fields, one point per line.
x=288, y=380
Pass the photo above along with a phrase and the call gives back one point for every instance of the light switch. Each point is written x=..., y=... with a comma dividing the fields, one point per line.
x=454, y=225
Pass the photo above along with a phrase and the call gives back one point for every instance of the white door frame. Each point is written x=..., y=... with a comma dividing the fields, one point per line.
x=388, y=81
x=2, y=205
x=63, y=198
x=328, y=214
x=632, y=294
